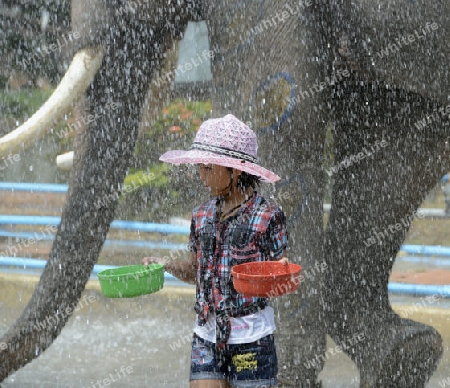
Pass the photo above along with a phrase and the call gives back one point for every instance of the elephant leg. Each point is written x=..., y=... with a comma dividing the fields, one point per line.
x=375, y=197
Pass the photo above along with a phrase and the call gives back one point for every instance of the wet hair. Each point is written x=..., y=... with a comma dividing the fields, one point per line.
x=246, y=180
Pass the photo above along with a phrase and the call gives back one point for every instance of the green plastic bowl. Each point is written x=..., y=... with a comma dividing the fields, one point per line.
x=131, y=280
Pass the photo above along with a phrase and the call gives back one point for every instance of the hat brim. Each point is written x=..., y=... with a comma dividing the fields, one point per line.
x=205, y=157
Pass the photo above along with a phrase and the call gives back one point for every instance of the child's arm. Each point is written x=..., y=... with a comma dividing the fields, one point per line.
x=276, y=236
x=185, y=270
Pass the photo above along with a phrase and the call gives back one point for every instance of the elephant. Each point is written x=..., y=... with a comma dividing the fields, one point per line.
x=375, y=72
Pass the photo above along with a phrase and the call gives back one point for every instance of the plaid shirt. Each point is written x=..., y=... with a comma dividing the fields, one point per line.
x=257, y=232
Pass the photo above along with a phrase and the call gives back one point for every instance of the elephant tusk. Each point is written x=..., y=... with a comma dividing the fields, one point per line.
x=78, y=77
x=65, y=161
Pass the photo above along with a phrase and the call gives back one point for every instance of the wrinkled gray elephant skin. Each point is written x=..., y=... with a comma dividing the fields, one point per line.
x=133, y=51
x=289, y=69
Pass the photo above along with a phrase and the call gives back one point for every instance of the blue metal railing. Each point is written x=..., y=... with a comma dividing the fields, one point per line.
x=436, y=250
x=149, y=227
x=37, y=264
x=440, y=252
x=393, y=288
x=34, y=187
x=125, y=243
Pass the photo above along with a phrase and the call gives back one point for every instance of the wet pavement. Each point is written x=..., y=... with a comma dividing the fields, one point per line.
x=145, y=341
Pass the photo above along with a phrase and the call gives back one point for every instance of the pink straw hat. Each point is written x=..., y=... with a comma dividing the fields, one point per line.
x=227, y=142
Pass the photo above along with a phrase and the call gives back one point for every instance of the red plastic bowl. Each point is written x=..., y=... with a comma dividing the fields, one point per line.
x=266, y=279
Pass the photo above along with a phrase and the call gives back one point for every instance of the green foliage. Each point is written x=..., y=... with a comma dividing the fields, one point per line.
x=155, y=176
x=21, y=104
x=182, y=116
x=165, y=194
x=175, y=128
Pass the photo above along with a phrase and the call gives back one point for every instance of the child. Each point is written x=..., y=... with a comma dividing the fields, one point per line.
x=233, y=341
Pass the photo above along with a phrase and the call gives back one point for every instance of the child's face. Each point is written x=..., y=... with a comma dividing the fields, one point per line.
x=218, y=178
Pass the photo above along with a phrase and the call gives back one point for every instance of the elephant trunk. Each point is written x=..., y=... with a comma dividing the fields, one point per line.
x=132, y=53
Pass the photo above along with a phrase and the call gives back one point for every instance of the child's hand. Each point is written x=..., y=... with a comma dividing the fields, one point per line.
x=153, y=260
x=284, y=260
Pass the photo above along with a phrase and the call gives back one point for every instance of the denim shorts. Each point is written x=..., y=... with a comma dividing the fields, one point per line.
x=252, y=365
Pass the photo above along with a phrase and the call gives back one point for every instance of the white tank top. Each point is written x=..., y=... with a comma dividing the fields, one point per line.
x=246, y=329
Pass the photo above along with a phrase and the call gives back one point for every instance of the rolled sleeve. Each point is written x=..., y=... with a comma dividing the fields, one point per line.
x=277, y=235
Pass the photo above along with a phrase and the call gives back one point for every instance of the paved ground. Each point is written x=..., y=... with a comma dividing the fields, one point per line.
x=150, y=335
